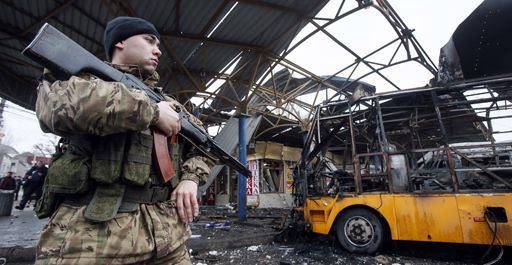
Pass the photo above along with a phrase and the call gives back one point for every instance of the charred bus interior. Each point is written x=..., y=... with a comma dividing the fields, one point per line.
x=421, y=140
x=430, y=164
x=453, y=135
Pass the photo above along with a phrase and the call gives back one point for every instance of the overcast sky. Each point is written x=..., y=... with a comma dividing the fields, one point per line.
x=434, y=22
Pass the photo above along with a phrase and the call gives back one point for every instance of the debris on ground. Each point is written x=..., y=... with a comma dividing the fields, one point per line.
x=293, y=246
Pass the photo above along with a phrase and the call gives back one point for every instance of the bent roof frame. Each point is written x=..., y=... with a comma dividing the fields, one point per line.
x=242, y=43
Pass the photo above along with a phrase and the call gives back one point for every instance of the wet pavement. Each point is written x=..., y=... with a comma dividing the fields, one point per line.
x=219, y=238
x=214, y=230
x=19, y=234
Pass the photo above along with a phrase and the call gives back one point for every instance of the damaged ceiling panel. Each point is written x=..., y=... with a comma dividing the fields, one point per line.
x=190, y=30
x=219, y=57
x=222, y=58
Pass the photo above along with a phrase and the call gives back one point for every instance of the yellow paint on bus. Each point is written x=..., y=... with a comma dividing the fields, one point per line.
x=450, y=217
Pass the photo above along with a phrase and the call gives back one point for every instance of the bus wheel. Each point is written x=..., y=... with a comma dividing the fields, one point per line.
x=360, y=231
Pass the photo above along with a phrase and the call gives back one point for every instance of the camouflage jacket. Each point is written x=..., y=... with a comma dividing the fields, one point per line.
x=87, y=105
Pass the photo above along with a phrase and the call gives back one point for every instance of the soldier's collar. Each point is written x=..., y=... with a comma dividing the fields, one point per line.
x=151, y=80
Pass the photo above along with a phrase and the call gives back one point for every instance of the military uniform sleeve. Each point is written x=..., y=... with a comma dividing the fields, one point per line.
x=197, y=169
x=88, y=105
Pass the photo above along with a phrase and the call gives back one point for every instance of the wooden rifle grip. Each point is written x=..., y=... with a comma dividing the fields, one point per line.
x=164, y=165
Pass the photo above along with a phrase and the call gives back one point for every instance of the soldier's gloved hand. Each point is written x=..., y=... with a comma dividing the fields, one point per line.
x=169, y=120
x=186, y=200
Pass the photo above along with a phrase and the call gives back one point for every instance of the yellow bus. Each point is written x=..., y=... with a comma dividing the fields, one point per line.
x=417, y=165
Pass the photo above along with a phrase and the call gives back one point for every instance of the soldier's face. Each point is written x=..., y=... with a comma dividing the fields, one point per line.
x=141, y=50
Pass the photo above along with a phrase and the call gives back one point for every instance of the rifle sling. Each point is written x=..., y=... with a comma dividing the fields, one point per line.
x=164, y=165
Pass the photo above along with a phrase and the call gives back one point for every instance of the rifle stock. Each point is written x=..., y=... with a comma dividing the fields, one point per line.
x=64, y=57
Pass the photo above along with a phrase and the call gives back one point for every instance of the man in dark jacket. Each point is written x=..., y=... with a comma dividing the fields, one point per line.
x=34, y=184
x=8, y=182
x=19, y=183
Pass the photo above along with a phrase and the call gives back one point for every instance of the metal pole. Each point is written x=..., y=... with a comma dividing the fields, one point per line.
x=435, y=102
x=382, y=131
x=304, y=175
x=242, y=156
x=451, y=163
x=355, y=158
x=490, y=135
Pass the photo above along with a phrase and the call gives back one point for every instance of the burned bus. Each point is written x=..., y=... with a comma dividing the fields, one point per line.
x=418, y=164
x=425, y=164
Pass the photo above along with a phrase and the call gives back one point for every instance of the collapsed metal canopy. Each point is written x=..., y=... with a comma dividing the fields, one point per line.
x=199, y=38
x=221, y=57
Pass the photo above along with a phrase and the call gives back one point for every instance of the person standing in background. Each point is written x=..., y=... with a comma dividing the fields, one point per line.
x=19, y=183
x=8, y=182
x=35, y=177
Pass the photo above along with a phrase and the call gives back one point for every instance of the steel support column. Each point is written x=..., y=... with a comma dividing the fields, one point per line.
x=242, y=156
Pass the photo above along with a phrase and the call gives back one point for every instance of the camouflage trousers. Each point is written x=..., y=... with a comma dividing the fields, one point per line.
x=153, y=234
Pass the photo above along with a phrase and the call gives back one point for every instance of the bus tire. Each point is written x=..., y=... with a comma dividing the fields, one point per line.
x=360, y=231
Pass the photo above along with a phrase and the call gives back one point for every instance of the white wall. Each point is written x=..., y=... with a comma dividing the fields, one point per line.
x=275, y=200
x=6, y=165
x=19, y=168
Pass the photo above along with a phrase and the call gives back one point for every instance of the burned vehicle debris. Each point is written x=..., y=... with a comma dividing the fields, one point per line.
x=430, y=164
x=403, y=138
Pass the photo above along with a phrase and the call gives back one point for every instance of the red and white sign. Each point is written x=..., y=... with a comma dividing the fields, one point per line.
x=253, y=182
x=210, y=195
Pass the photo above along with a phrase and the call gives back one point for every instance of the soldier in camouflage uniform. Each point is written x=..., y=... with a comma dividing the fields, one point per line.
x=107, y=204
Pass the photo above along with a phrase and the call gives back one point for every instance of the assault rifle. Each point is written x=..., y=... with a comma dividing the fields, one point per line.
x=64, y=57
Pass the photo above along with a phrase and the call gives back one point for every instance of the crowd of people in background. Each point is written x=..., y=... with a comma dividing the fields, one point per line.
x=31, y=184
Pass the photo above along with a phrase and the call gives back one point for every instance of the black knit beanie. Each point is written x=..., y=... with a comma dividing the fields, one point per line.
x=121, y=28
